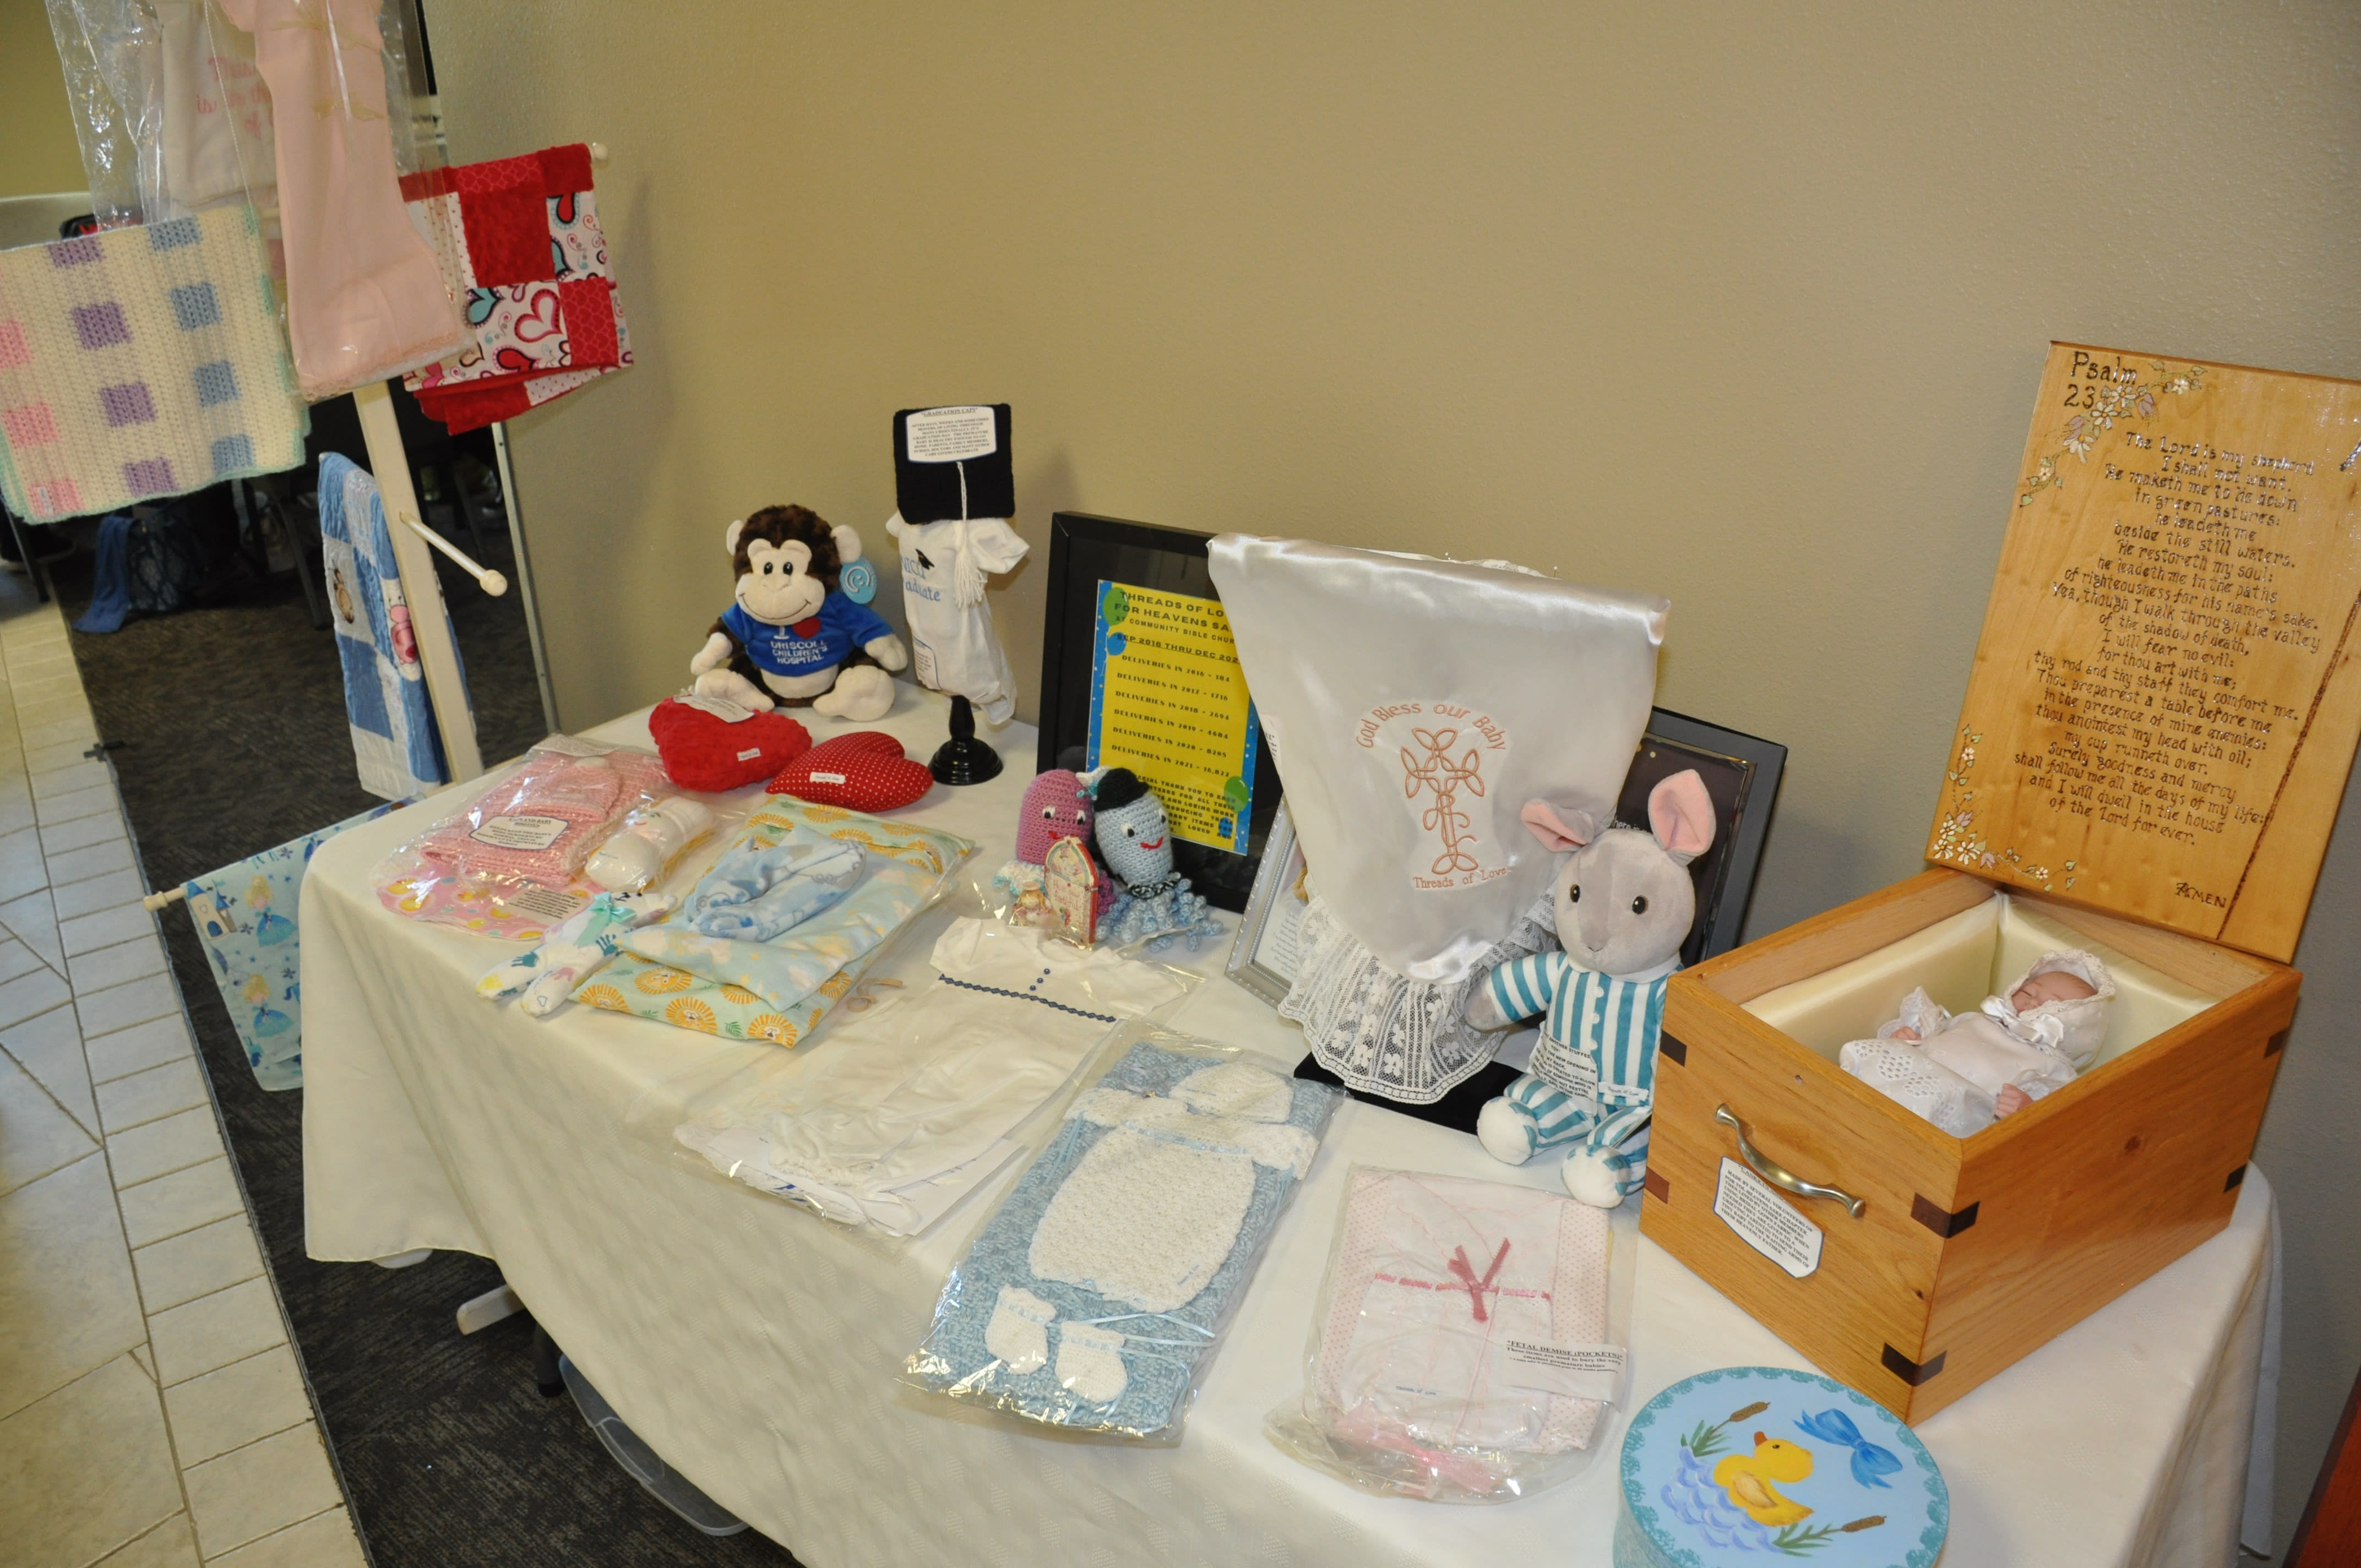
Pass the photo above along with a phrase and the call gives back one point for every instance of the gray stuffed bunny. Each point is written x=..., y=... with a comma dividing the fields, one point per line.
x=1624, y=907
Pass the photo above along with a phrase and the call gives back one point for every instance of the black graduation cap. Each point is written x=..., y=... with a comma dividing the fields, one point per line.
x=953, y=463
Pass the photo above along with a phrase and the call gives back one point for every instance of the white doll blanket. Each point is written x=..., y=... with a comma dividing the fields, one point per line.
x=913, y=1104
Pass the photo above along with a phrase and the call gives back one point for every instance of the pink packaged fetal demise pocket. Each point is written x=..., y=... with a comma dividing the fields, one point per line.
x=509, y=865
x=1464, y=1348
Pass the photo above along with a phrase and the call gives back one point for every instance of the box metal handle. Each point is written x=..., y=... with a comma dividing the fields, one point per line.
x=1779, y=1176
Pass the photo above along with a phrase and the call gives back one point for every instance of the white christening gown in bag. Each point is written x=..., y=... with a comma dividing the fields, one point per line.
x=1415, y=707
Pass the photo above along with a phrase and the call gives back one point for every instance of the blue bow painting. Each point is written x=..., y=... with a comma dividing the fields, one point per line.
x=1870, y=1463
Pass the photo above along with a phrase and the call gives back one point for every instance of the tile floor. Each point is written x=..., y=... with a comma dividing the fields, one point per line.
x=151, y=1411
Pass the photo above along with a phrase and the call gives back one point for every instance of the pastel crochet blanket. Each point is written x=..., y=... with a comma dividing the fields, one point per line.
x=139, y=363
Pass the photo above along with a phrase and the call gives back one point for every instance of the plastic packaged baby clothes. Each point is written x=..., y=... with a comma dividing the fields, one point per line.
x=1093, y=1298
x=509, y=864
x=651, y=839
x=761, y=890
x=914, y=1103
x=779, y=990
x=548, y=974
x=542, y=823
x=1470, y=1340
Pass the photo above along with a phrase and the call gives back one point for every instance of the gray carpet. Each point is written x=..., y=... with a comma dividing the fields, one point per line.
x=228, y=721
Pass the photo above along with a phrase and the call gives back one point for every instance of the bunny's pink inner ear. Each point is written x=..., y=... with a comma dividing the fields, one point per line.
x=1680, y=814
x=1555, y=833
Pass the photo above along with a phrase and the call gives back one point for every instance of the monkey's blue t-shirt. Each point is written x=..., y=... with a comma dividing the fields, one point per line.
x=809, y=646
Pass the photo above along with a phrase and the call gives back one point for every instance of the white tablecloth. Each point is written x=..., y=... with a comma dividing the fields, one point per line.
x=754, y=1347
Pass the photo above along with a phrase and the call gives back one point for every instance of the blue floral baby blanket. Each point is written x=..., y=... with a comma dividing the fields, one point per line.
x=245, y=917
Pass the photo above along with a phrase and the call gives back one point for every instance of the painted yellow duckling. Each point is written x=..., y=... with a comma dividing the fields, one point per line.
x=1747, y=1479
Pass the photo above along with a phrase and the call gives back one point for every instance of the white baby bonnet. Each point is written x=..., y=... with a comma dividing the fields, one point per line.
x=2075, y=1030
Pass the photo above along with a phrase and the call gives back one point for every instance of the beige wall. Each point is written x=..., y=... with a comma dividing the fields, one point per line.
x=37, y=153
x=1743, y=305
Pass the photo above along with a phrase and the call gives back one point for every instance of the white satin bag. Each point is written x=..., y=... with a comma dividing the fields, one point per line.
x=1414, y=707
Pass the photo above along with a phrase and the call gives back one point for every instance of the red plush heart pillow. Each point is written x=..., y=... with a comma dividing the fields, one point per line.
x=864, y=770
x=702, y=750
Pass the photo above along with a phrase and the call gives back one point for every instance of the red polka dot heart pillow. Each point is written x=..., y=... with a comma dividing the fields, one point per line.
x=865, y=770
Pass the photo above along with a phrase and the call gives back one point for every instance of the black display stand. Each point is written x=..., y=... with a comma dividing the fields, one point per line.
x=964, y=759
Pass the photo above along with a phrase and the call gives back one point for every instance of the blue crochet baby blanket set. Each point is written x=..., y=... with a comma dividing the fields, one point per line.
x=1161, y=1353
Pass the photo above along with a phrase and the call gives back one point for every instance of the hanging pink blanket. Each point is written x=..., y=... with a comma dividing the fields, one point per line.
x=364, y=298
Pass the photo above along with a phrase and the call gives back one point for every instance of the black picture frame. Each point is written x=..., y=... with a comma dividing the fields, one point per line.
x=1085, y=550
x=1742, y=775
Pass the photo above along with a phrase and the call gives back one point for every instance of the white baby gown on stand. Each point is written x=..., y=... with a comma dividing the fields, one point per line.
x=1416, y=706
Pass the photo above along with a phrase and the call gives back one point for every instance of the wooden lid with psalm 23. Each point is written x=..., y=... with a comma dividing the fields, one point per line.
x=2164, y=698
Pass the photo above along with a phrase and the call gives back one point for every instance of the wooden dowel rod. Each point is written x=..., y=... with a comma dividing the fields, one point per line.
x=491, y=581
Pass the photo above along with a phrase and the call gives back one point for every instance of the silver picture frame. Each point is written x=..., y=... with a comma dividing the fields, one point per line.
x=1262, y=958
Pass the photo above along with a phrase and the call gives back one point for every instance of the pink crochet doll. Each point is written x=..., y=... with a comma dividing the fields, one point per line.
x=1055, y=806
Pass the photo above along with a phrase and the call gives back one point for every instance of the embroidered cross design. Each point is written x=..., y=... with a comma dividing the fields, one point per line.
x=1446, y=776
x=1475, y=1287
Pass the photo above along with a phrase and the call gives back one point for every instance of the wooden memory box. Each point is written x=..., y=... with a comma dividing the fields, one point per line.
x=2156, y=733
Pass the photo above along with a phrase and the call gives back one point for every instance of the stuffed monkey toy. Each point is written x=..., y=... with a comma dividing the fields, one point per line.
x=791, y=637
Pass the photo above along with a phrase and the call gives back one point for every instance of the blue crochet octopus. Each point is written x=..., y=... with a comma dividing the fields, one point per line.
x=1135, y=838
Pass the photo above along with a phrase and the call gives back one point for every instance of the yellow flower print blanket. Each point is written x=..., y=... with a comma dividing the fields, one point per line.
x=780, y=990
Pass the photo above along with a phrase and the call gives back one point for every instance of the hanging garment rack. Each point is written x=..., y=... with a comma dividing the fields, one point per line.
x=422, y=591
x=430, y=618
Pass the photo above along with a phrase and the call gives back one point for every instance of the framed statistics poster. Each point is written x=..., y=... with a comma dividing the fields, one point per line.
x=1138, y=672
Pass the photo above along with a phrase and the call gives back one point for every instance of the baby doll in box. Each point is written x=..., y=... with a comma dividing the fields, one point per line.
x=1963, y=1073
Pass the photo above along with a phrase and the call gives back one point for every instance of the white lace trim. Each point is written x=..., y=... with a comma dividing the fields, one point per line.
x=1383, y=1033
